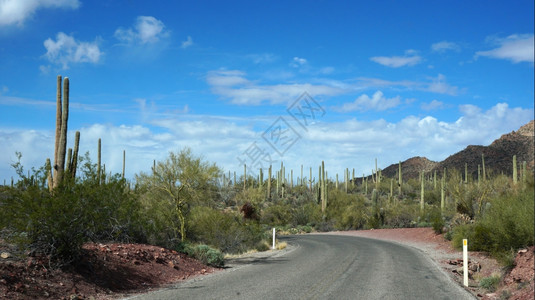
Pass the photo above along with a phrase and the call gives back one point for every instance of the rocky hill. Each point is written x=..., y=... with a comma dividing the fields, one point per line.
x=498, y=156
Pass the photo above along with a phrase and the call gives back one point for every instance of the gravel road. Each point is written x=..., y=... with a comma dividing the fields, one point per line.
x=324, y=267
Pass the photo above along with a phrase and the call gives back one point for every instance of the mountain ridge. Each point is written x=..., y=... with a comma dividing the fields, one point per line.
x=498, y=157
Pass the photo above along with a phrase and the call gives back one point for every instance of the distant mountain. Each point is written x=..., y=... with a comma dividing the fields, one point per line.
x=498, y=156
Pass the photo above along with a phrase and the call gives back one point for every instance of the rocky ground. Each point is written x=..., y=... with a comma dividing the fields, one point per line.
x=105, y=271
x=111, y=271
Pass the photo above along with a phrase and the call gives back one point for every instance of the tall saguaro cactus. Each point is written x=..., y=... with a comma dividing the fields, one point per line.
x=400, y=179
x=269, y=183
x=62, y=117
x=74, y=163
x=422, y=192
x=124, y=163
x=323, y=186
x=515, y=170
x=483, y=164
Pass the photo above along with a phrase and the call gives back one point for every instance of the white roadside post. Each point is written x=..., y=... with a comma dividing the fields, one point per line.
x=273, y=247
x=465, y=262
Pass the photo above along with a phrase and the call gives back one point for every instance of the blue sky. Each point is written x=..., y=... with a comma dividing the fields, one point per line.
x=363, y=79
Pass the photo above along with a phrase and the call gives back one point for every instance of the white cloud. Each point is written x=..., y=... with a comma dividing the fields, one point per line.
x=298, y=62
x=146, y=30
x=440, y=86
x=326, y=70
x=233, y=85
x=17, y=11
x=516, y=48
x=433, y=105
x=377, y=102
x=187, y=43
x=445, y=46
x=262, y=58
x=435, y=85
x=410, y=59
x=66, y=50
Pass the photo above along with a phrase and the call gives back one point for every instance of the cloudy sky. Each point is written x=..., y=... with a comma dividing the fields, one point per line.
x=259, y=82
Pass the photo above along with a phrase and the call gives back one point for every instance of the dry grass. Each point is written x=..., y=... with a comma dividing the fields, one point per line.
x=280, y=246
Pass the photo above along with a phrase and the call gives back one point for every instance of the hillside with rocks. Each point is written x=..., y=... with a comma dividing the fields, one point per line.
x=498, y=157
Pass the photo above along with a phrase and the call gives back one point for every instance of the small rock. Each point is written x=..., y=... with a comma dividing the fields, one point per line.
x=475, y=267
x=5, y=255
x=522, y=251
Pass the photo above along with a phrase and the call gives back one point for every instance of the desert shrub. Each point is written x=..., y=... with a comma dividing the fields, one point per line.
x=507, y=224
x=490, y=283
x=208, y=255
x=249, y=211
x=463, y=232
x=277, y=214
x=402, y=215
x=325, y=226
x=172, y=188
x=262, y=246
x=309, y=213
x=57, y=223
x=253, y=196
x=345, y=211
x=436, y=219
x=226, y=231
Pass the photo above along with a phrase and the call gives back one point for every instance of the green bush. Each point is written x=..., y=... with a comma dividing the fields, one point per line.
x=490, y=283
x=401, y=215
x=208, y=255
x=507, y=224
x=277, y=214
x=463, y=232
x=437, y=222
x=345, y=211
x=226, y=231
x=56, y=224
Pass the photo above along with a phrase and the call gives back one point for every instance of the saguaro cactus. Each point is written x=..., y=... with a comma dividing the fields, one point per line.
x=483, y=164
x=310, y=180
x=74, y=163
x=400, y=179
x=124, y=161
x=346, y=176
x=442, y=190
x=465, y=173
x=515, y=170
x=269, y=183
x=323, y=193
x=62, y=117
x=99, y=170
x=422, y=192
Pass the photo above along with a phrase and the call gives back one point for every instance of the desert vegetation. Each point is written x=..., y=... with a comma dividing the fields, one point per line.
x=189, y=204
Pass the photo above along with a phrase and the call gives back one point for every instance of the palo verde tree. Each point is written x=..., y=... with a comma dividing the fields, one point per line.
x=173, y=187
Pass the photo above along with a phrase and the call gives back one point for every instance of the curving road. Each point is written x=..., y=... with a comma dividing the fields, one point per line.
x=325, y=267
